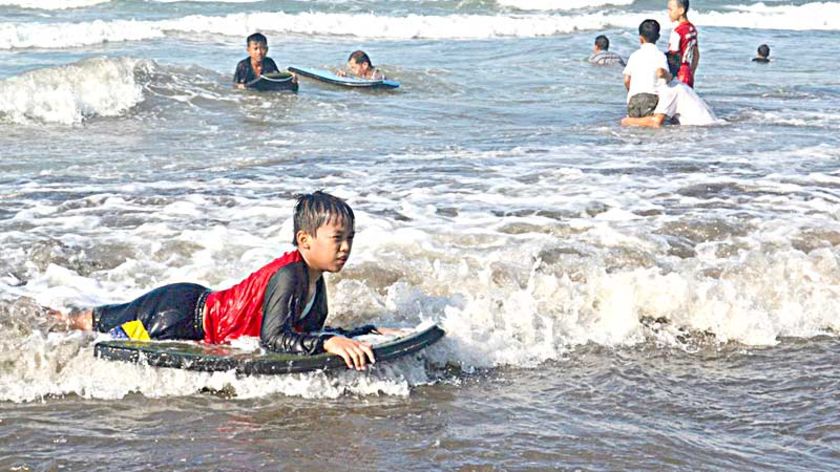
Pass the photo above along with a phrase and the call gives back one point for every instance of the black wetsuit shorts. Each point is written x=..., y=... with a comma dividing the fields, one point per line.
x=174, y=311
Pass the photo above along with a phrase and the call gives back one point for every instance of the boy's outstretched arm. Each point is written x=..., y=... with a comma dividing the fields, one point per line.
x=282, y=306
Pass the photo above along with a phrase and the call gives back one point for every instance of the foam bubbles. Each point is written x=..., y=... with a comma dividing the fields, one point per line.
x=811, y=16
x=72, y=93
x=52, y=4
x=564, y=5
x=39, y=366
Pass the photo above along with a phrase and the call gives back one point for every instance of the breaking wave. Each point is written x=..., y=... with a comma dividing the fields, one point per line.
x=71, y=93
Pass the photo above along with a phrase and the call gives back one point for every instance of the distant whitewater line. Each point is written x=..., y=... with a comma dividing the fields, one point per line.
x=811, y=16
x=207, y=1
x=560, y=4
x=51, y=4
x=69, y=4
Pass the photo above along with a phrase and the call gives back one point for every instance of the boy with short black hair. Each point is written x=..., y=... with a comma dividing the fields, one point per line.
x=284, y=302
x=601, y=55
x=682, y=44
x=763, y=56
x=256, y=64
x=644, y=72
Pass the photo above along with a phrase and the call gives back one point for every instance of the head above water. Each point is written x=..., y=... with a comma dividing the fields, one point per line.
x=257, y=47
x=359, y=57
x=649, y=31
x=258, y=38
x=764, y=51
x=602, y=43
x=677, y=9
x=359, y=63
x=314, y=210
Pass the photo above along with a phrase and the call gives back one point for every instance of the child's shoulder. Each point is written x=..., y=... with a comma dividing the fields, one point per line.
x=642, y=51
x=685, y=26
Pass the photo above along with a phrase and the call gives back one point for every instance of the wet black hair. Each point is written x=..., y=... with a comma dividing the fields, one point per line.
x=256, y=38
x=649, y=29
x=602, y=42
x=316, y=209
x=684, y=4
x=360, y=57
x=764, y=50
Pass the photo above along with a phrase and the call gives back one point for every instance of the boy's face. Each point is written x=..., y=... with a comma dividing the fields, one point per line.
x=257, y=51
x=329, y=248
x=356, y=68
x=675, y=11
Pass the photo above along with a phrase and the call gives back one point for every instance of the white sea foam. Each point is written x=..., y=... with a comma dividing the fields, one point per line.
x=817, y=119
x=207, y=1
x=388, y=27
x=809, y=16
x=52, y=4
x=510, y=290
x=68, y=35
x=40, y=366
x=560, y=5
x=69, y=94
x=816, y=16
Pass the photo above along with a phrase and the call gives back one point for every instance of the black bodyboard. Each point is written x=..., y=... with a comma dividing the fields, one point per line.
x=275, y=81
x=213, y=358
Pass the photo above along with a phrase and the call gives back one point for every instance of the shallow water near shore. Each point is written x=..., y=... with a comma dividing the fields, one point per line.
x=613, y=298
x=600, y=409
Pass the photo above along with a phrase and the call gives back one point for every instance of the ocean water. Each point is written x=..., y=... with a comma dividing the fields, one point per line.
x=613, y=298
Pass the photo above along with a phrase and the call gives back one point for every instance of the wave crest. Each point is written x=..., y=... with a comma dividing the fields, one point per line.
x=811, y=16
x=72, y=93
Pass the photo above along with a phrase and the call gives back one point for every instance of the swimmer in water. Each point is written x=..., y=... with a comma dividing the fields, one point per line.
x=360, y=66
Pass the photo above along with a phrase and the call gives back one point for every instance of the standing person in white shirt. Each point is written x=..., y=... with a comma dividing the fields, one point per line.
x=678, y=103
x=646, y=70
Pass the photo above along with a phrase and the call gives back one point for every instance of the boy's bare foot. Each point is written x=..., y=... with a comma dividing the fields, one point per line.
x=76, y=319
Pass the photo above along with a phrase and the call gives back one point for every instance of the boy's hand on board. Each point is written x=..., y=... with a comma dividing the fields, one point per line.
x=356, y=354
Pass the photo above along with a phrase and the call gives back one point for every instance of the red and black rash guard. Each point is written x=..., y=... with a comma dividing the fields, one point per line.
x=269, y=303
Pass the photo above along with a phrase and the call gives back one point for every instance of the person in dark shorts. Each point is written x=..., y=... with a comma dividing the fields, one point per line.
x=284, y=302
x=256, y=64
x=763, y=56
x=602, y=56
x=642, y=104
x=647, y=69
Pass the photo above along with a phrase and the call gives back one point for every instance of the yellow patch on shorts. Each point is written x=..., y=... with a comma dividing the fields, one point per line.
x=136, y=331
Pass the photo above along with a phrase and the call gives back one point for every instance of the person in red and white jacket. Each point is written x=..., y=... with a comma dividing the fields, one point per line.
x=284, y=302
x=683, y=52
